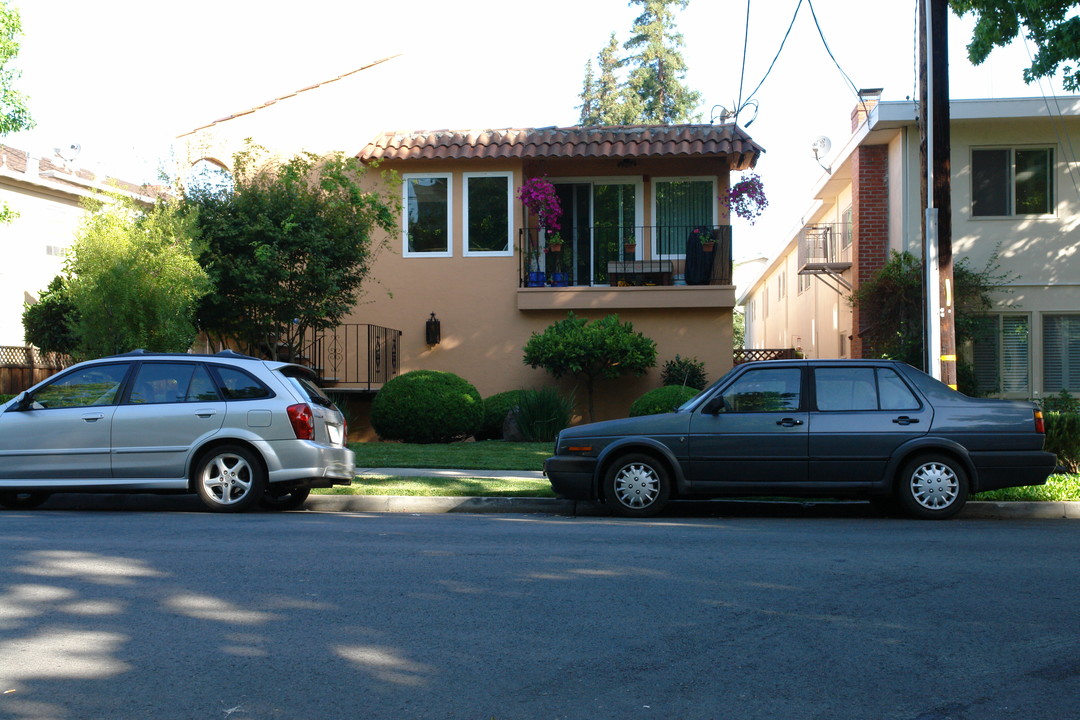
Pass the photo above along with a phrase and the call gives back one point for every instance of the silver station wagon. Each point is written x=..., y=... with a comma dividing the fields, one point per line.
x=875, y=429
x=237, y=430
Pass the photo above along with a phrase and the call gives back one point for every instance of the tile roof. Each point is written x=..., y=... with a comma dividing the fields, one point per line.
x=622, y=141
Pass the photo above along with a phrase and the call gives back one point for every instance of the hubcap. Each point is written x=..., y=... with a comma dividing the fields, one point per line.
x=227, y=479
x=637, y=486
x=934, y=486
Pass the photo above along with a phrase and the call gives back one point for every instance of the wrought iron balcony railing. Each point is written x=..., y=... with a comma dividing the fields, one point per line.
x=625, y=256
x=825, y=247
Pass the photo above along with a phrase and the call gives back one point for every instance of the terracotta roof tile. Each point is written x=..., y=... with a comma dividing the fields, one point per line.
x=621, y=141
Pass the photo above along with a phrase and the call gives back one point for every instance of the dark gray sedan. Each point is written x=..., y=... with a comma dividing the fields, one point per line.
x=877, y=429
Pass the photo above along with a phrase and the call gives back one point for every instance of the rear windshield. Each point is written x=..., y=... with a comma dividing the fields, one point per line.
x=308, y=388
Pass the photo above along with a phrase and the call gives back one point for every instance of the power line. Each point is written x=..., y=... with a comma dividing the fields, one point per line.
x=775, y=57
x=833, y=57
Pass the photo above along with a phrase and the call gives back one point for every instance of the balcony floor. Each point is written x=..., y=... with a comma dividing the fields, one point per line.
x=626, y=298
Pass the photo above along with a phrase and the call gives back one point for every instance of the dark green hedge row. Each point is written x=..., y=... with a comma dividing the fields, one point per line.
x=1063, y=438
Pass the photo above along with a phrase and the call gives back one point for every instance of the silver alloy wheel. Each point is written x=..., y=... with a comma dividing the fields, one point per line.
x=227, y=478
x=934, y=485
x=637, y=485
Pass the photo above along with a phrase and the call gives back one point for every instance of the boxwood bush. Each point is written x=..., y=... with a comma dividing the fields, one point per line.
x=427, y=406
x=1063, y=438
x=496, y=408
x=661, y=400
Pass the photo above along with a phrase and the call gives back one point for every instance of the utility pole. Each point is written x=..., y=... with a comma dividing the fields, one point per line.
x=935, y=149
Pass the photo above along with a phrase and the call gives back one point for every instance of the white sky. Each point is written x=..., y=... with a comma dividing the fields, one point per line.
x=124, y=77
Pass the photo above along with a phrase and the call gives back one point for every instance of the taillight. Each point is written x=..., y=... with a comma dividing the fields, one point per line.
x=303, y=421
x=1040, y=424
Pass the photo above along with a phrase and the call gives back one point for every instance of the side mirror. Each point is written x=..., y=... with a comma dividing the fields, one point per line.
x=23, y=402
x=715, y=406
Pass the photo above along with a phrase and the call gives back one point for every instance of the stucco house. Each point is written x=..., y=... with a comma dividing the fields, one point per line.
x=469, y=255
x=1014, y=194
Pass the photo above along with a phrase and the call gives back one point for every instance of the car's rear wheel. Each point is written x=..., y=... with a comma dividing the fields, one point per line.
x=229, y=478
x=288, y=499
x=22, y=501
x=932, y=487
x=636, y=486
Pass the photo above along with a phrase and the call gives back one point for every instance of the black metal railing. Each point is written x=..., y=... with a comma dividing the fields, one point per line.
x=353, y=355
x=825, y=246
x=625, y=256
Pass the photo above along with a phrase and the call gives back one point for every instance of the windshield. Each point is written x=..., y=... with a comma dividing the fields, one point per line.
x=700, y=397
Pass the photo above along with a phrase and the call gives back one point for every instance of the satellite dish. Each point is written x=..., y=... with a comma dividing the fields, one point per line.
x=821, y=146
x=69, y=153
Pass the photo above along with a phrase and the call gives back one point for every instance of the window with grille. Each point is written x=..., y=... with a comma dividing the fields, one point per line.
x=1061, y=353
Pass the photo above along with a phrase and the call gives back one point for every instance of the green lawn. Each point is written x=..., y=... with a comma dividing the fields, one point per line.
x=487, y=455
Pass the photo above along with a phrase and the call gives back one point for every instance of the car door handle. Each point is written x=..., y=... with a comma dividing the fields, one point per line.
x=789, y=422
x=205, y=413
x=93, y=417
x=905, y=420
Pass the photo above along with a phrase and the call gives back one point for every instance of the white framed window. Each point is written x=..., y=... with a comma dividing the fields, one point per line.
x=488, y=214
x=427, y=215
x=781, y=285
x=1001, y=354
x=1012, y=181
x=1061, y=353
x=679, y=205
x=803, y=282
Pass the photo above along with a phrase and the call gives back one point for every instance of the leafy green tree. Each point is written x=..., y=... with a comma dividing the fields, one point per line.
x=47, y=324
x=605, y=348
x=893, y=299
x=131, y=281
x=14, y=115
x=1053, y=26
x=657, y=67
x=286, y=247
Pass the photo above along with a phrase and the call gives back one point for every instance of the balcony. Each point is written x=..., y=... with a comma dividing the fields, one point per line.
x=598, y=267
x=825, y=247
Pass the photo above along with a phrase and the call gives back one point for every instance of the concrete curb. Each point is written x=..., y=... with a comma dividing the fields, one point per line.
x=554, y=506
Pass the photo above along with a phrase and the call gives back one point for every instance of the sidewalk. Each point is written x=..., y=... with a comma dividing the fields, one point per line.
x=402, y=504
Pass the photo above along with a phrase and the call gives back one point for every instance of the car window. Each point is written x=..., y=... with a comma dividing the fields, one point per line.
x=309, y=389
x=895, y=395
x=172, y=382
x=86, y=387
x=764, y=390
x=238, y=385
x=855, y=388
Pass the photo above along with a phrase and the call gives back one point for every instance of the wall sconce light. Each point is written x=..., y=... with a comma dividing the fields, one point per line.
x=434, y=331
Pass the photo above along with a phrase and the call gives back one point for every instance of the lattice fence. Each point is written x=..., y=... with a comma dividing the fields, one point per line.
x=21, y=367
x=745, y=355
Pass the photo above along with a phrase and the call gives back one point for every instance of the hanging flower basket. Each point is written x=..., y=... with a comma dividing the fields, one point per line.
x=538, y=195
x=746, y=198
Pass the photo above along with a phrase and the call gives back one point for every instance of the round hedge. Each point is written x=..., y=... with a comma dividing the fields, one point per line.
x=661, y=400
x=496, y=408
x=427, y=406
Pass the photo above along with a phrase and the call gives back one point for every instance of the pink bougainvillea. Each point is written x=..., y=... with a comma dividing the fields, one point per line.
x=539, y=196
x=746, y=198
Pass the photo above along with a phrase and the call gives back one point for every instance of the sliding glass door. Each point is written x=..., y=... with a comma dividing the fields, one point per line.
x=598, y=219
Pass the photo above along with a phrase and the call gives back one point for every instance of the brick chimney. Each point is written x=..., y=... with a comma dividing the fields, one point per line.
x=868, y=100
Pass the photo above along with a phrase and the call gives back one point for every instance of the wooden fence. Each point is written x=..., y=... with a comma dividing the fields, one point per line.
x=744, y=355
x=21, y=367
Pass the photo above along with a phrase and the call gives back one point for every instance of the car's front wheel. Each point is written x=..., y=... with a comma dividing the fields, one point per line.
x=22, y=501
x=289, y=499
x=932, y=487
x=229, y=478
x=636, y=486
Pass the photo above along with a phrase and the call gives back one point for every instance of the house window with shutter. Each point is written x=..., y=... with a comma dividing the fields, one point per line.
x=1001, y=355
x=1061, y=353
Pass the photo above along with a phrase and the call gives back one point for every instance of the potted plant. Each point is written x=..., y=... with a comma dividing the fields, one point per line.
x=554, y=243
x=630, y=246
x=704, y=236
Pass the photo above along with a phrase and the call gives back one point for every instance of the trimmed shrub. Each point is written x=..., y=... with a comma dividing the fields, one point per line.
x=661, y=400
x=496, y=408
x=1063, y=438
x=427, y=406
x=684, y=371
x=5, y=398
x=541, y=414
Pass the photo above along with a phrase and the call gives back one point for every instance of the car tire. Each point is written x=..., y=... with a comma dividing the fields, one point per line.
x=229, y=478
x=932, y=487
x=22, y=501
x=636, y=485
x=288, y=499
